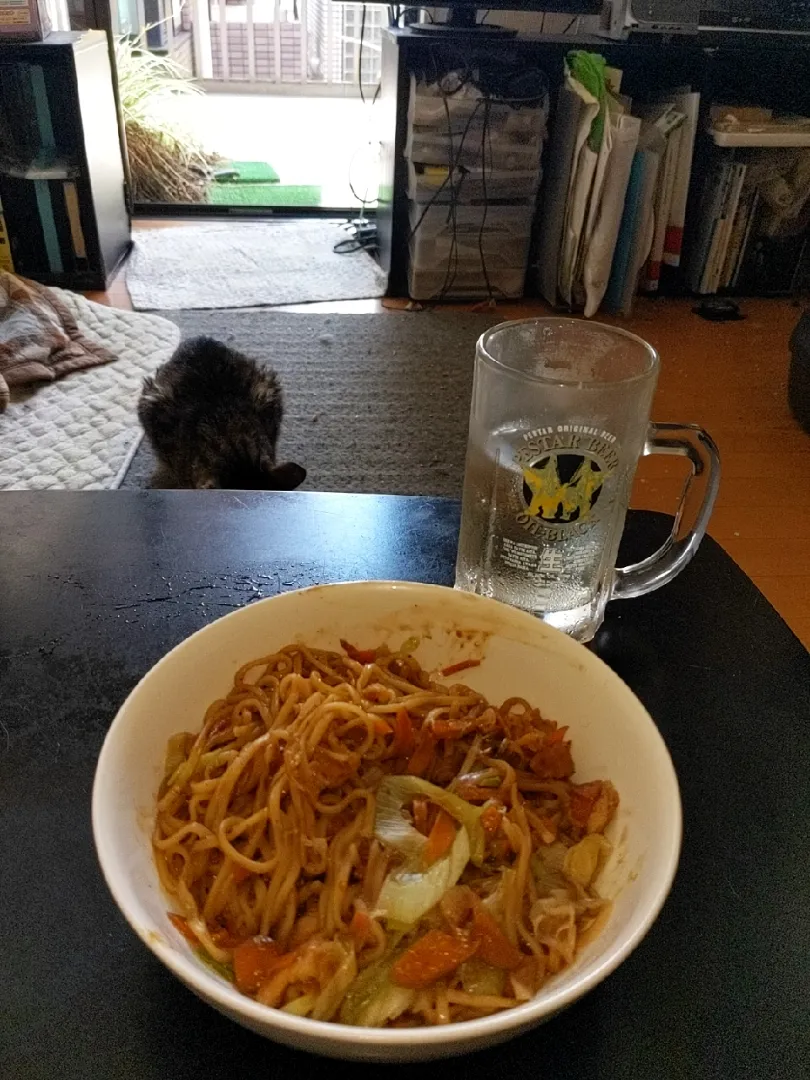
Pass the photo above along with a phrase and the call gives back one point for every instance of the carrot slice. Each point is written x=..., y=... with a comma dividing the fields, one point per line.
x=582, y=800
x=494, y=947
x=360, y=926
x=241, y=873
x=462, y=665
x=403, y=734
x=491, y=819
x=555, y=736
x=432, y=957
x=257, y=960
x=419, y=813
x=450, y=729
x=440, y=840
x=180, y=923
x=382, y=727
x=553, y=761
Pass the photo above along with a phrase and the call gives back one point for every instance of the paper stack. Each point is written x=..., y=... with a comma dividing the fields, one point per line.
x=614, y=204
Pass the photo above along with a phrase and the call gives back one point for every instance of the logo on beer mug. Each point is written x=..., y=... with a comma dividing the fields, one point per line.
x=563, y=472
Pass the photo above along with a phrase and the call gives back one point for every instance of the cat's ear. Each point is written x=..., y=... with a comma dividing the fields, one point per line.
x=285, y=477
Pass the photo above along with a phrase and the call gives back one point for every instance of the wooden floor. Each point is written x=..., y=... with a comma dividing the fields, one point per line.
x=732, y=379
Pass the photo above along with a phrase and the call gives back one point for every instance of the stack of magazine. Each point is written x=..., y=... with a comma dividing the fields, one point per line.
x=614, y=213
x=750, y=228
x=614, y=204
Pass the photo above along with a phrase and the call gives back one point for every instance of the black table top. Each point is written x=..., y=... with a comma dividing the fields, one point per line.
x=95, y=587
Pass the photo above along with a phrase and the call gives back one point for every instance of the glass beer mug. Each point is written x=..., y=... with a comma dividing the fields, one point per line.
x=558, y=421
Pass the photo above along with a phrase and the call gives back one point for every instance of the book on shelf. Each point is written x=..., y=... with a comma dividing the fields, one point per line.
x=662, y=202
x=706, y=224
x=637, y=224
x=687, y=102
x=751, y=213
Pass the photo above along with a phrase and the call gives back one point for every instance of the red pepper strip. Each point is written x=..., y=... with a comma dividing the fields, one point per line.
x=462, y=665
x=423, y=754
x=362, y=656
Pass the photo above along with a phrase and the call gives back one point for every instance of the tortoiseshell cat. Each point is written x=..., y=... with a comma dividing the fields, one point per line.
x=213, y=418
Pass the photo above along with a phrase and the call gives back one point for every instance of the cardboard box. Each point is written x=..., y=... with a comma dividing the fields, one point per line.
x=24, y=20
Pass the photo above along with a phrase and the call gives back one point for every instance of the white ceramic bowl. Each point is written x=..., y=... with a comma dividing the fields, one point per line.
x=613, y=737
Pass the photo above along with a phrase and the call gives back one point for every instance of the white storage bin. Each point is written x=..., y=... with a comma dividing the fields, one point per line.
x=504, y=238
x=466, y=285
x=472, y=185
x=509, y=154
x=427, y=108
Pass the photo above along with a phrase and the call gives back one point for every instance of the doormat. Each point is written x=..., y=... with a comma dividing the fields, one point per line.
x=245, y=172
x=374, y=403
x=253, y=194
x=247, y=264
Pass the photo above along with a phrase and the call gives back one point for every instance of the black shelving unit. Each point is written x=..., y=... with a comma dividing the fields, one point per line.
x=763, y=69
x=64, y=206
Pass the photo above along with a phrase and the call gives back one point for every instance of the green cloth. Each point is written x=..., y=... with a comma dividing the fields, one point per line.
x=589, y=70
x=253, y=194
x=249, y=172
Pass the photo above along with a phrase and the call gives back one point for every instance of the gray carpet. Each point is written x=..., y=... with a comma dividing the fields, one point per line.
x=232, y=264
x=373, y=403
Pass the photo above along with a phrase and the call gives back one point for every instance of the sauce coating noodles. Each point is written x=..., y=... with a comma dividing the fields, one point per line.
x=350, y=840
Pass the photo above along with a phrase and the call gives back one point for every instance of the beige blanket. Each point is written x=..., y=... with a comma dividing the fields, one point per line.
x=39, y=338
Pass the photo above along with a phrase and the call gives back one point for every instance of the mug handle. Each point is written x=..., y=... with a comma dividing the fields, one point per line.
x=697, y=501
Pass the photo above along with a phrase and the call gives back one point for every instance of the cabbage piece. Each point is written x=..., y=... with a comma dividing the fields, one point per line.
x=392, y=827
x=372, y=999
x=407, y=894
x=301, y=1005
x=480, y=978
x=396, y=791
x=584, y=860
x=547, y=867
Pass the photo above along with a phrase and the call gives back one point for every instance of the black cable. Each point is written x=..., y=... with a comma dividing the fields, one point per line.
x=360, y=54
x=484, y=131
x=403, y=9
x=522, y=88
x=434, y=197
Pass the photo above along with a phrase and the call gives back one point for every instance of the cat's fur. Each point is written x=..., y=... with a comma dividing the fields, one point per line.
x=213, y=418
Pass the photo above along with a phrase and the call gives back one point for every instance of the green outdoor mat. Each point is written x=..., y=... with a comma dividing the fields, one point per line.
x=264, y=195
x=250, y=172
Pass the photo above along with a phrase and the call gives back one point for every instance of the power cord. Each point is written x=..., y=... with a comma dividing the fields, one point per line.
x=523, y=88
x=363, y=237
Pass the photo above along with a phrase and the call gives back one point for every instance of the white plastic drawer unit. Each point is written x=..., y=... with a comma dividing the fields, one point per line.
x=465, y=284
x=501, y=232
x=473, y=149
x=455, y=112
x=435, y=183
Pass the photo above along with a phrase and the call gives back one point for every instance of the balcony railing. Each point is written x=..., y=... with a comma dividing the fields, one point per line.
x=285, y=43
